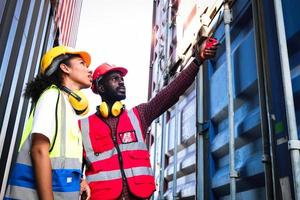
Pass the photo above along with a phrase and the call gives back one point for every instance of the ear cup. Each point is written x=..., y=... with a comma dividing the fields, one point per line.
x=115, y=110
x=81, y=106
x=103, y=109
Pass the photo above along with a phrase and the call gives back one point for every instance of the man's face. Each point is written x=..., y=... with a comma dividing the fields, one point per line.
x=113, y=85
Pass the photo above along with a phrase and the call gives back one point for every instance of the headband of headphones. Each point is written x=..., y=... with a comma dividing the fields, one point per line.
x=77, y=100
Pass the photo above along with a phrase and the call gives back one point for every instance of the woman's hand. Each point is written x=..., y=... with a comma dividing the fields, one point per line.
x=85, y=191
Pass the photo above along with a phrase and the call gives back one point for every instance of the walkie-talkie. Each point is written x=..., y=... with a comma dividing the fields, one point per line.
x=211, y=41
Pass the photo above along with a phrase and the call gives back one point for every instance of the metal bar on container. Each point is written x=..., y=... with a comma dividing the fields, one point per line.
x=272, y=187
x=156, y=127
x=152, y=52
x=294, y=143
x=233, y=174
x=262, y=106
x=201, y=194
x=175, y=153
x=164, y=117
x=151, y=64
x=162, y=158
x=154, y=152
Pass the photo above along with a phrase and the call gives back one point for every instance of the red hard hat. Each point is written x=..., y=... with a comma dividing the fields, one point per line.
x=103, y=69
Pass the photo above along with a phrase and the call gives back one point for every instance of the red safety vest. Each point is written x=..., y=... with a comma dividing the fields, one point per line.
x=112, y=159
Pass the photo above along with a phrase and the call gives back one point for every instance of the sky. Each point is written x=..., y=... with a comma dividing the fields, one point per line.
x=118, y=32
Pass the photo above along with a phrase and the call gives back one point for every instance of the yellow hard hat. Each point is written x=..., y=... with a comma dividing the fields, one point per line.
x=49, y=56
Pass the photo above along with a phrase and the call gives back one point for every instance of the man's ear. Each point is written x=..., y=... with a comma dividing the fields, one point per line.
x=101, y=89
x=64, y=68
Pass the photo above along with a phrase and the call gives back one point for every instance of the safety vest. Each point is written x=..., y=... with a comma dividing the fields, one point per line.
x=112, y=159
x=65, y=155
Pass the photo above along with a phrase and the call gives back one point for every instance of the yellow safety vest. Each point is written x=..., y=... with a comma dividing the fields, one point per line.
x=65, y=155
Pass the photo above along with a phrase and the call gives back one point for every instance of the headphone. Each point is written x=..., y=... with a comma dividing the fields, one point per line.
x=115, y=111
x=77, y=100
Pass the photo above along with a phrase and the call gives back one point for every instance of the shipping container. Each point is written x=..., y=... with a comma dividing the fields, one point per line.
x=191, y=150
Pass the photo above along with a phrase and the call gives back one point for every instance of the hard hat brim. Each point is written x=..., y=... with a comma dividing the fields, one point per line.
x=84, y=55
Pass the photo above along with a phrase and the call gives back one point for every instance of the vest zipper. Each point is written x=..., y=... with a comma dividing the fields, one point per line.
x=116, y=146
x=119, y=157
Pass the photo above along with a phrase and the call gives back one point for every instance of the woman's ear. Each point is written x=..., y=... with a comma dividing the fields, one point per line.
x=65, y=68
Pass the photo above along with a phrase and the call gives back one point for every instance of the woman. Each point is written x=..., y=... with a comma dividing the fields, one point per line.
x=49, y=160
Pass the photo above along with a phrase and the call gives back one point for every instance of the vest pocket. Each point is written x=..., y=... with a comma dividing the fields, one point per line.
x=106, y=189
x=140, y=158
x=102, y=144
x=141, y=185
x=66, y=180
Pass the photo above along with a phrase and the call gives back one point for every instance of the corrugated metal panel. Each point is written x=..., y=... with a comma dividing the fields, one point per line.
x=70, y=22
x=67, y=18
x=28, y=29
x=23, y=44
x=75, y=23
x=186, y=162
x=2, y=8
x=292, y=24
x=248, y=142
x=63, y=24
x=248, y=136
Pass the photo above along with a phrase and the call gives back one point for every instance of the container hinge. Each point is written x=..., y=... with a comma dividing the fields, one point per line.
x=266, y=158
x=203, y=127
x=234, y=174
x=294, y=144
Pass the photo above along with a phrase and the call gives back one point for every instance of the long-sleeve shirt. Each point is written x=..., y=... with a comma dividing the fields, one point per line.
x=163, y=100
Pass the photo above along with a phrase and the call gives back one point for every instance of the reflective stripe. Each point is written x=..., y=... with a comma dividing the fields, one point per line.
x=104, y=176
x=65, y=163
x=135, y=123
x=66, y=195
x=16, y=192
x=116, y=174
x=24, y=154
x=57, y=163
x=85, y=129
x=101, y=156
x=63, y=126
x=133, y=146
x=108, y=154
x=138, y=171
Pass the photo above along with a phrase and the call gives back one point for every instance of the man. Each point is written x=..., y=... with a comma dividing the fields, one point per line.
x=118, y=165
x=49, y=159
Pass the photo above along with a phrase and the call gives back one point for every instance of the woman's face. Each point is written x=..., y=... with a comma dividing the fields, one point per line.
x=79, y=73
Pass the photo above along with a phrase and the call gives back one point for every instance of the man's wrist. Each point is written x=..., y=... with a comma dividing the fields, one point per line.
x=197, y=61
x=197, y=58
